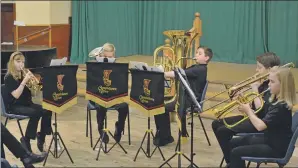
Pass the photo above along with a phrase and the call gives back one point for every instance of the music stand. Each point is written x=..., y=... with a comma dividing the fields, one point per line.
x=194, y=103
x=149, y=131
x=56, y=134
x=106, y=130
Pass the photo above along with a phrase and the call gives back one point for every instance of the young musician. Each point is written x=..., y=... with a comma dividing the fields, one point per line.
x=18, y=101
x=197, y=77
x=17, y=149
x=223, y=134
x=123, y=110
x=276, y=124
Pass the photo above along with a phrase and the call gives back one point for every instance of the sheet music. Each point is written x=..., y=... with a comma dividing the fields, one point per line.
x=138, y=65
x=55, y=62
x=105, y=59
x=156, y=68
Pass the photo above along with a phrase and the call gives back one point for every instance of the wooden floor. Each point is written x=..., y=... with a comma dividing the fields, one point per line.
x=72, y=127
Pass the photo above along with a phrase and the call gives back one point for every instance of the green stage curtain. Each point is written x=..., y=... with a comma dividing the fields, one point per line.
x=237, y=31
x=97, y=22
x=283, y=30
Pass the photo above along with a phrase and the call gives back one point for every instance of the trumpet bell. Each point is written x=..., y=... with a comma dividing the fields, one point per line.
x=95, y=52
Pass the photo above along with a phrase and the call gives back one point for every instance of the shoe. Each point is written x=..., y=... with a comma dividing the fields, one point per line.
x=26, y=144
x=105, y=135
x=40, y=142
x=32, y=158
x=163, y=141
x=117, y=133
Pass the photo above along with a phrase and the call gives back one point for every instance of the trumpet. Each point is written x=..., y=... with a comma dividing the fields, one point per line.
x=248, y=98
x=33, y=84
x=243, y=84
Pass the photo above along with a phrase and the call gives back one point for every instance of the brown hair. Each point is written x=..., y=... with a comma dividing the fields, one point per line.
x=208, y=52
x=11, y=69
x=268, y=60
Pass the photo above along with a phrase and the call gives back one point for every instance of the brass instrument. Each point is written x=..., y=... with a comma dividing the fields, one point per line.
x=247, y=98
x=243, y=84
x=177, y=57
x=96, y=52
x=33, y=83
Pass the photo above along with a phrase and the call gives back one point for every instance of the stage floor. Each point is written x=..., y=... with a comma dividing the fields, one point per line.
x=72, y=127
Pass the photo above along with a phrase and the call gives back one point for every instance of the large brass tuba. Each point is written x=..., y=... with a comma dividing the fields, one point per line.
x=177, y=56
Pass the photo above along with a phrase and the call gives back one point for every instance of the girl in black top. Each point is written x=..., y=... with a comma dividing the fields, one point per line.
x=222, y=133
x=276, y=124
x=18, y=100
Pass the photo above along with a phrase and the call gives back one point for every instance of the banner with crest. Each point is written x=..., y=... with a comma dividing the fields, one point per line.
x=59, y=87
x=107, y=83
x=147, y=91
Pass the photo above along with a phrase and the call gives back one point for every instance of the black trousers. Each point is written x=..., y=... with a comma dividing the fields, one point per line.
x=224, y=135
x=122, y=109
x=11, y=143
x=35, y=112
x=250, y=146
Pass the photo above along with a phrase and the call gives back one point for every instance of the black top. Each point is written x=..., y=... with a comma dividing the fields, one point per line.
x=279, y=122
x=264, y=86
x=11, y=84
x=197, y=77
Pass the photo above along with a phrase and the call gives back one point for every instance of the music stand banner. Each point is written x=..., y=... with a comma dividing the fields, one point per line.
x=59, y=87
x=147, y=91
x=107, y=83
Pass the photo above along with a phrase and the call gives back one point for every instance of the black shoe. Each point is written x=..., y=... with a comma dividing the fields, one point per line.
x=40, y=142
x=31, y=158
x=163, y=141
x=118, y=132
x=105, y=135
x=26, y=144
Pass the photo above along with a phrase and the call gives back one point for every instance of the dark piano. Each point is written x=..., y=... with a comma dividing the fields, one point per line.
x=36, y=56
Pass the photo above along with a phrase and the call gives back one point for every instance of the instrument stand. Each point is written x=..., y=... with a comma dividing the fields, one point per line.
x=105, y=146
x=147, y=153
x=55, y=137
x=178, y=149
x=194, y=102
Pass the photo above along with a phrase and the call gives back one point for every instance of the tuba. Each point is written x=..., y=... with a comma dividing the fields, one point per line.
x=177, y=56
x=33, y=83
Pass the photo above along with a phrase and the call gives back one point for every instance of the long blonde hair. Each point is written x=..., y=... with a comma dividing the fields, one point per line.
x=11, y=69
x=287, y=91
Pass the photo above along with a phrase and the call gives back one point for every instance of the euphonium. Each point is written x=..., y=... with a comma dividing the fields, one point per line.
x=33, y=82
x=247, y=98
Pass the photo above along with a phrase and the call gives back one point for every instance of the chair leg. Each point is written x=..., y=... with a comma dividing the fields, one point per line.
x=128, y=124
x=90, y=128
x=222, y=160
x=204, y=130
x=18, y=121
x=87, y=120
x=248, y=164
x=6, y=121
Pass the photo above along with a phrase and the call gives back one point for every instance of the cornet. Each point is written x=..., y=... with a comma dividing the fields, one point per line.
x=96, y=52
x=33, y=82
x=248, y=98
